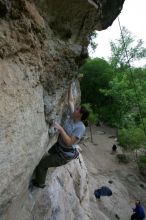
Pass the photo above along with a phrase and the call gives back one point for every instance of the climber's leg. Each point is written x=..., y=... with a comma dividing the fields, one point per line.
x=51, y=159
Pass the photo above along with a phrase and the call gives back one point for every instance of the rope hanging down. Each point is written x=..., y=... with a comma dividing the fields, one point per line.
x=132, y=78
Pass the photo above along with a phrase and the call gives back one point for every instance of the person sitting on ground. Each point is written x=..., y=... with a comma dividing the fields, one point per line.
x=64, y=150
x=114, y=148
x=139, y=213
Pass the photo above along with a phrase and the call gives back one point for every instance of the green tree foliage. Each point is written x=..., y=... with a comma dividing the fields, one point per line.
x=140, y=82
x=122, y=99
x=96, y=75
x=126, y=50
x=131, y=138
x=128, y=85
x=126, y=98
x=117, y=91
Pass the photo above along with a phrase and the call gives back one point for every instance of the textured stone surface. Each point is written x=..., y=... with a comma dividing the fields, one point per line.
x=65, y=196
x=42, y=45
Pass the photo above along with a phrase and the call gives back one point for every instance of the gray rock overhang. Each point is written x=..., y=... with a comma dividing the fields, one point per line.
x=75, y=19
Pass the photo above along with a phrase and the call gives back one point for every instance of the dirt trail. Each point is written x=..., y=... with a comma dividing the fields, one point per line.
x=127, y=184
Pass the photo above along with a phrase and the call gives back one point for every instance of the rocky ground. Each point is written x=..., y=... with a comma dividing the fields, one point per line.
x=104, y=169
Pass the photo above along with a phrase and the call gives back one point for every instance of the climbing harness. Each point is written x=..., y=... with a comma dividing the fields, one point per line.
x=72, y=153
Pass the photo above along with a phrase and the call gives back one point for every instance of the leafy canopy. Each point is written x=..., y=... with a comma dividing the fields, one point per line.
x=126, y=50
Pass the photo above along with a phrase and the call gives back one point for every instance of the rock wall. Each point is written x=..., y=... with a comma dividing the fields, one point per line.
x=65, y=197
x=42, y=45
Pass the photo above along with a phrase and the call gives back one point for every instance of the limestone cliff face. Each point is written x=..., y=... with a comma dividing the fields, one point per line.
x=42, y=45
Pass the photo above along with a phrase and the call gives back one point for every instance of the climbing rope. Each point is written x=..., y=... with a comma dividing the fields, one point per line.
x=132, y=78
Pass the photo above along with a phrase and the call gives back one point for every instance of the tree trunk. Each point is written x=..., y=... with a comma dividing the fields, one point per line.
x=90, y=126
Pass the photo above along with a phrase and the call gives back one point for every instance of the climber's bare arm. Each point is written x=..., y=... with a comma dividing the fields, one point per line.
x=71, y=100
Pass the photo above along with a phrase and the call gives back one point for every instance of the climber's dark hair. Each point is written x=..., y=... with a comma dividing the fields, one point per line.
x=85, y=113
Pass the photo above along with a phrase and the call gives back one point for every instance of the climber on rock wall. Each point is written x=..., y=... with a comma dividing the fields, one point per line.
x=64, y=150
